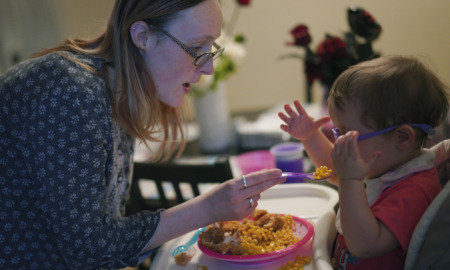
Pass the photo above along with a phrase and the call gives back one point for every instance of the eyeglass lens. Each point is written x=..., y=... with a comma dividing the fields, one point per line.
x=206, y=56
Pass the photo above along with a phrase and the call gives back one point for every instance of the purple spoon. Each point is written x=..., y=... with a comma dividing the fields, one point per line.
x=303, y=175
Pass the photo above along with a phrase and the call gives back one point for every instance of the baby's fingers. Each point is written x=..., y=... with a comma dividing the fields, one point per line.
x=352, y=139
x=290, y=111
x=283, y=117
x=299, y=107
x=343, y=146
x=321, y=121
x=336, y=150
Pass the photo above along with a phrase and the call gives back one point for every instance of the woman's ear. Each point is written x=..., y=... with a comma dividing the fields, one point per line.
x=140, y=34
x=405, y=136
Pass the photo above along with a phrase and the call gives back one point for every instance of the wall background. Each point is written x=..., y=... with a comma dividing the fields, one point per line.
x=413, y=27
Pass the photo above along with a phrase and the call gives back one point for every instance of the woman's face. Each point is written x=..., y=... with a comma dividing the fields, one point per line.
x=172, y=67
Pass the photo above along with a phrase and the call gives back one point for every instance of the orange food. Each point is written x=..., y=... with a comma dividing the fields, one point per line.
x=322, y=172
x=262, y=233
x=297, y=264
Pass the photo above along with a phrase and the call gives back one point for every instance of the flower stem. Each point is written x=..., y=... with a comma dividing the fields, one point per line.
x=232, y=22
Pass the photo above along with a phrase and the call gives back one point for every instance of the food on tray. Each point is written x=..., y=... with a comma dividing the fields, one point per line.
x=298, y=263
x=181, y=259
x=261, y=233
x=322, y=172
x=184, y=257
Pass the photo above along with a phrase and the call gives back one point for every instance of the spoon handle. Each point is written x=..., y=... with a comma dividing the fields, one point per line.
x=294, y=174
x=310, y=176
x=194, y=238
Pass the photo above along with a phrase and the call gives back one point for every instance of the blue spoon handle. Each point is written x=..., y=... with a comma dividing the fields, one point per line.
x=194, y=238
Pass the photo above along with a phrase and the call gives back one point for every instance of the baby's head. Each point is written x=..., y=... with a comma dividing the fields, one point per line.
x=390, y=91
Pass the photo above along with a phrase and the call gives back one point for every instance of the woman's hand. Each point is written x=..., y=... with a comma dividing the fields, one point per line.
x=232, y=200
x=298, y=123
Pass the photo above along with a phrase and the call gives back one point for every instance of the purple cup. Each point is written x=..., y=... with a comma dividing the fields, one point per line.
x=289, y=158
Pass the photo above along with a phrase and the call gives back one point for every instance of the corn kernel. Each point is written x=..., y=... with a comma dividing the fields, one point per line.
x=257, y=240
x=322, y=172
x=297, y=264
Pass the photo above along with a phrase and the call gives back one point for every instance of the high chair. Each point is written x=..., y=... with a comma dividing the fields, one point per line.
x=430, y=244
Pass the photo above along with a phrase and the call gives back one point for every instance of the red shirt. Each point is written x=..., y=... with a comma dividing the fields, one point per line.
x=400, y=208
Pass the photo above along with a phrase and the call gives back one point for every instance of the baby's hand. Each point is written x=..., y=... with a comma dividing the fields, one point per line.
x=348, y=163
x=298, y=123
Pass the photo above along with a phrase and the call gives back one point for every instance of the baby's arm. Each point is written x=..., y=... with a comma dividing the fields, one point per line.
x=305, y=129
x=364, y=234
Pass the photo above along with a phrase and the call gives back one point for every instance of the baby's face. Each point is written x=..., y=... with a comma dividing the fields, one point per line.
x=350, y=119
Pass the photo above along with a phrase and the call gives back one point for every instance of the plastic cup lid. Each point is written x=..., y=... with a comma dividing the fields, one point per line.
x=287, y=150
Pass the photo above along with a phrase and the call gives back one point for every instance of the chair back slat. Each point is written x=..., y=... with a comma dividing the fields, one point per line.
x=174, y=173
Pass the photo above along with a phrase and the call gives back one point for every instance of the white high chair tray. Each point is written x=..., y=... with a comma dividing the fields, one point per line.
x=313, y=202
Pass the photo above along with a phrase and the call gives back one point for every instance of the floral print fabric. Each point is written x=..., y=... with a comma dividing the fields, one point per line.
x=65, y=167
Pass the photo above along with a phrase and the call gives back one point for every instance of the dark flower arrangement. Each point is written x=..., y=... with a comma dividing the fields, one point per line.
x=334, y=54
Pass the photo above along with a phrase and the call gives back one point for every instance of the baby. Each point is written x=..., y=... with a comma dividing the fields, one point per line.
x=383, y=109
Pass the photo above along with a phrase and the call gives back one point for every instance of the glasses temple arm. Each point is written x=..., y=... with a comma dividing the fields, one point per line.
x=376, y=133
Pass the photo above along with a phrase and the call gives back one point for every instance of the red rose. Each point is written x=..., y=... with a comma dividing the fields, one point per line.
x=332, y=48
x=301, y=35
x=334, y=59
x=243, y=2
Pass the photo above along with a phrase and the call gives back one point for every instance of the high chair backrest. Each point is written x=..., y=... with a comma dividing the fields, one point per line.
x=430, y=244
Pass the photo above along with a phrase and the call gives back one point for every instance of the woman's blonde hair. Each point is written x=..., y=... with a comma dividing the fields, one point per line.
x=135, y=104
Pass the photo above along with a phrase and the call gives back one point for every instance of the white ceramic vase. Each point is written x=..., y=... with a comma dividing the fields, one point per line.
x=213, y=117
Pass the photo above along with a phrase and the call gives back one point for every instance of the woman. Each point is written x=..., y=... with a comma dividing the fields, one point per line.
x=68, y=123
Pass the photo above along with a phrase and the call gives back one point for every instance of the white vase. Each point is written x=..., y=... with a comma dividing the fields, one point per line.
x=213, y=117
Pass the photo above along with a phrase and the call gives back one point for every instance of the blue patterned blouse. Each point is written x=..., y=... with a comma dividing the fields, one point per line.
x=65, y=167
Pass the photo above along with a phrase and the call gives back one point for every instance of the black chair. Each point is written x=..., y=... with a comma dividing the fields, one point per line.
x=175, y=173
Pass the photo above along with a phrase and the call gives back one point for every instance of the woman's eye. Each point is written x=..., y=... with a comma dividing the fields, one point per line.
x=197, y=49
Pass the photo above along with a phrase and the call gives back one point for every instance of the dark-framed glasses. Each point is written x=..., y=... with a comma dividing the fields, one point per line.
x=424, y=127
x=199, y=59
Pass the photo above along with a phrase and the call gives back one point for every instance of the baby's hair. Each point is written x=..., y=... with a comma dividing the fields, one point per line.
x=392, y=90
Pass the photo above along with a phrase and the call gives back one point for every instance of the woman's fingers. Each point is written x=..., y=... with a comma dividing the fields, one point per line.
x=251, y=185
x=260, y=177
x=253, y=201
x=240, y=196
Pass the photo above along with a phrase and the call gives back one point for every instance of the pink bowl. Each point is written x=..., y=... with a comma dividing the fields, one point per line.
x=303, y=229
x=255, y=161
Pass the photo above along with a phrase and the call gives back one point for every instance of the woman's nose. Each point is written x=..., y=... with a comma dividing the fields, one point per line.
x=208, y=67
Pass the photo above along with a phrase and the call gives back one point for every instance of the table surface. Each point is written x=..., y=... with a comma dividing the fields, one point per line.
x=309, y=201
